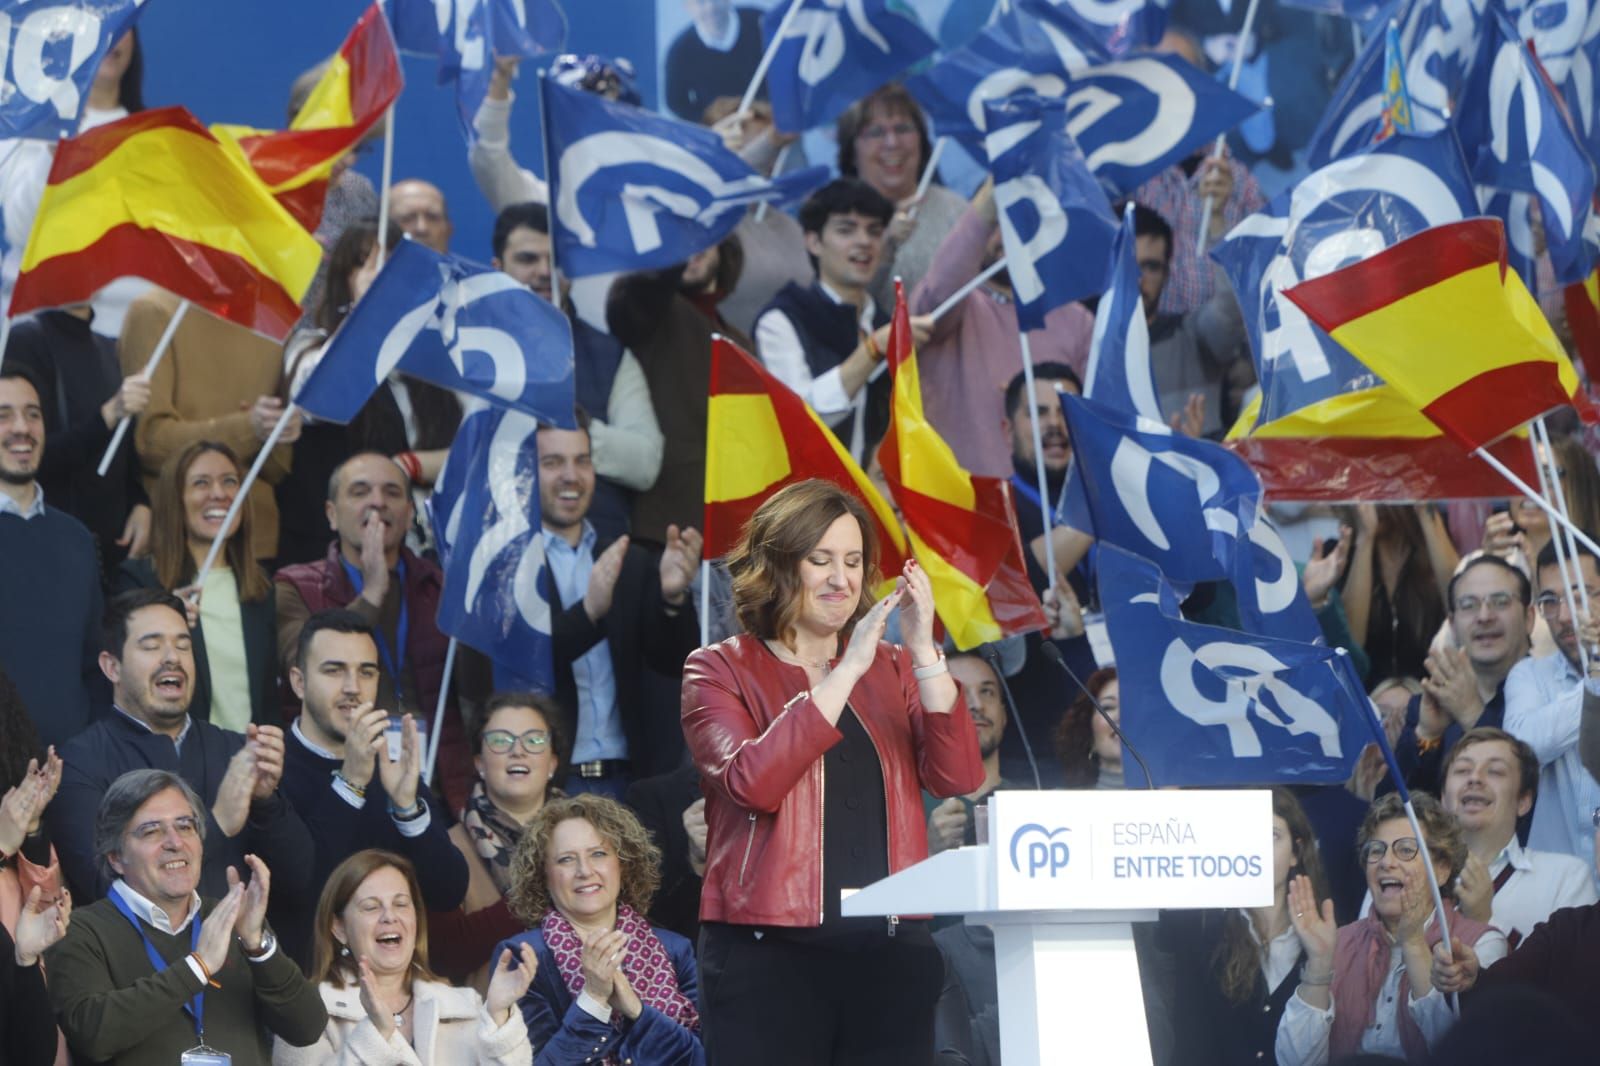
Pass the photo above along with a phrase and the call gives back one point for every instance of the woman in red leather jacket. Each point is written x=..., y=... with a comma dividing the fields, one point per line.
x=815, y=738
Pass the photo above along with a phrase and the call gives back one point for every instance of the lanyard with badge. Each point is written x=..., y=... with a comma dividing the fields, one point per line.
x=200, y=1054
x=394, y=661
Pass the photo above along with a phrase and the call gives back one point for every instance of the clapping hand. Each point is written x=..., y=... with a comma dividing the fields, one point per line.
x=602, y=963
x=1322, y=570
x=40, y=925
x=253, y=907
x=216, y=931
x=916, y=610
x=1314, y=925
x=371, y=1002
x=603, y=579
x=679, y=561
x=508, y=984
x=401, y=776
x=267, y=741
x=23, y=806
x=858, y=657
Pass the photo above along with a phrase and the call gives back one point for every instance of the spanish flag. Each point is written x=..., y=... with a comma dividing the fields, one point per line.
x=761, y=436
x=362, y=80
x=1443, y=322
x=156, y=196
x=963, y=529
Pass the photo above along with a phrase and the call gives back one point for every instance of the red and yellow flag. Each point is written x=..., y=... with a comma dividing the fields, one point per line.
x=1443, y=322
x=761, y=436
x=362, y=80
x=156, y=196
x=963, y=528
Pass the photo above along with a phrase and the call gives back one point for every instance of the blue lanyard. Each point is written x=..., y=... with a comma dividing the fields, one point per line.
x=395, y=661
x=1030, y=492
x=195, y=1008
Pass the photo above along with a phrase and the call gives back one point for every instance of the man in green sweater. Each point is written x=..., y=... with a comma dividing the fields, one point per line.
x=152, y=970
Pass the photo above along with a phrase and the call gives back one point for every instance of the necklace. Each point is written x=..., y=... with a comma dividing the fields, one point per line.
x=400, y=1015
x=788, y=656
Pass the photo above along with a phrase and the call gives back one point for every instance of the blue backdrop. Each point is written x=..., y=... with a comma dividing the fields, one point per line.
x=233, y=62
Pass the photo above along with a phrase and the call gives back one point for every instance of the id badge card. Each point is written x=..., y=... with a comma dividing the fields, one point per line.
x=206, y=1056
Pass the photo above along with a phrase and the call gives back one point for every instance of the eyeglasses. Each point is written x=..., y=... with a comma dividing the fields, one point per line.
x=1497, y=601
x=901, y=130
x=1550, y=603
x=1405, y=849
x=501, y=741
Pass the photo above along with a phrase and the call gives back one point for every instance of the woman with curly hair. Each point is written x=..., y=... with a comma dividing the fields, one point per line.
x=1090, y=753
x=582, y=878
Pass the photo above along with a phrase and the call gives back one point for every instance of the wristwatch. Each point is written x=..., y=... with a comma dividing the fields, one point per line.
x=268, y=942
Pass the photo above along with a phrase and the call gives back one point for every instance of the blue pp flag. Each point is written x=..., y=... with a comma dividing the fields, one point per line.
x=1343, y=212
x=49, y=53
x=633, y=190
x=465, y=36
x=1192, y=506
x=1119, y=374
x=1581, y=83
x=1211, y=706
x=487, y=523
x=455, y=323
x=1138, y=485
x=1442, y=45
x=1515, y=125
x=1054, y=218
x=1132, y=117
x=832, y=55
x=1355, y=10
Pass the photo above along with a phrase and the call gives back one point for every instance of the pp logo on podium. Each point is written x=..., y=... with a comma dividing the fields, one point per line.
x=1036, y=846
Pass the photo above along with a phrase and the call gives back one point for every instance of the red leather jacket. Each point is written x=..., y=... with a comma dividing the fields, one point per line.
x=758, y=741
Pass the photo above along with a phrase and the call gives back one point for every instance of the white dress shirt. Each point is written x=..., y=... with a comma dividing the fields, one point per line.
x=1544, y=704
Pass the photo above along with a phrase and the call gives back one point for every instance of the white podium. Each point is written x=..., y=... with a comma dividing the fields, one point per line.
x=1061, y=882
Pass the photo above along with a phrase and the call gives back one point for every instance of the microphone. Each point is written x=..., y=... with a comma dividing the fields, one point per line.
x=992, y=657
x=1053, y=653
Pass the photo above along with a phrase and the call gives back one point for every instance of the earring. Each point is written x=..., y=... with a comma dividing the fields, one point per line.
x=344, y=951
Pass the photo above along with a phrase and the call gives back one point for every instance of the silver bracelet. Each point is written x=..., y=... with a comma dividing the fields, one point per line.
x=923, y=673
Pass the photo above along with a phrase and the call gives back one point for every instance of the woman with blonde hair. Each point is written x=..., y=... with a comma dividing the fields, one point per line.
x=384, y=1004
x=608, y=981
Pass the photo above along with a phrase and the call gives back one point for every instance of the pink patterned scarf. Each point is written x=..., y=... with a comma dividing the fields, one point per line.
x=645, y=964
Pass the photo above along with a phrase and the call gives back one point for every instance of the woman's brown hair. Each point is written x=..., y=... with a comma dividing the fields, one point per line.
x=1075, y=734
x=169, y=529
x=893, y=99
x=328, y=963
x=639, y=858
x=1237, y=959
x=765, y=564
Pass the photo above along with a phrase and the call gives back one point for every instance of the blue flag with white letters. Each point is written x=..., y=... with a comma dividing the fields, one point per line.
x=633, y=190
x=1192, y=506
x=1119, y=373
x=466, y=36
x=1212, y=706
x=1441, y=41
x=1516, y=125
x=1346, y=211
x=1054, y=218
x=832, y=55
x=488, y=530
x=1132, y=116
x=49, y=53
x=455, y=323
x=1136, y=484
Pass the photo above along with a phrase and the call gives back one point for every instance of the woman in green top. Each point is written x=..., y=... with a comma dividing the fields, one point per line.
x=235, y=624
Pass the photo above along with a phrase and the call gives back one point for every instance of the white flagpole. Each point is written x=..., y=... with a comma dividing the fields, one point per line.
x=705, y=602
x=1538, y=501
x=1559, y=495
x=928, y=174
x=150, y=365
x=777, y=168
x=438, y=711
x=549, y=177
x=961, y=294
x=766, y=57
x=1559, y=538
x=1239, y=52
x=243, y=495
x=1038, y=455
x=386, y=178
x=1433, y=878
